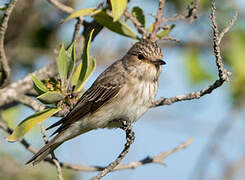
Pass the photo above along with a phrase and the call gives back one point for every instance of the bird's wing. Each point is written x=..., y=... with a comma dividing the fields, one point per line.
x=103, y=89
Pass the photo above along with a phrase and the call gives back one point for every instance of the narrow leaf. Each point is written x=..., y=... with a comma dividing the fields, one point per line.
x=138, y=13
x=27, y=124
x=75, y=76
x=85, y=61
x=118, y=7
x=105, y=20
x=72, y=58
x=89, y=72
x=82, y=12
x=39, y=86
x=50, y=97
x=63, y=63
x=164, y=33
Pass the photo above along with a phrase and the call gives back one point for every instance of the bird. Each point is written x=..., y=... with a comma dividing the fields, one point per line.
x=125, y=90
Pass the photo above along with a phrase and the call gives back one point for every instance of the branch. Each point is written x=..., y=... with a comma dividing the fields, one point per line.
x=132, y=165
x=11, y=92
x=62, y=7
x=4, y=66
x=127, y=127
x=158, y=20
x=222, y=72
x=137, y=24
x=190, y=14
x=30, y=102
x=54, y=159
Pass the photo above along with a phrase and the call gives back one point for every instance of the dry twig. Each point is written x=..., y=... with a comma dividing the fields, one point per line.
x=130, y=139
x=158, y=20
x=137, y=24
x=61, y=6
x=222, y=72
x=4, y=66
x=54, y=159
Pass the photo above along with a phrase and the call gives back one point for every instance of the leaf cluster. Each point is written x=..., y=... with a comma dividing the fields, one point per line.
x=57, y=92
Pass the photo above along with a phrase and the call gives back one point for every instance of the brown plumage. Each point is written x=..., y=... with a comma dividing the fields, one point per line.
x=125, y=89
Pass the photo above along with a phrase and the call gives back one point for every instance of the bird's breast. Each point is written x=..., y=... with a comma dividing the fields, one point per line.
x=136, y=98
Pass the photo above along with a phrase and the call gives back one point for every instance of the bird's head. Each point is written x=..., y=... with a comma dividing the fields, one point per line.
x=146, y=51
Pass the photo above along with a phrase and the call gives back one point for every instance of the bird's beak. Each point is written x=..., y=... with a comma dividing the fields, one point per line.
x=159, y=62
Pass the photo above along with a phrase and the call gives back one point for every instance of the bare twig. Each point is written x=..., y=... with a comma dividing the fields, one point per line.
x=54, y=159
x=132, y=165
x=61, y=6
x=222, y=72
x=158, y=20
x=30, y=102
x=137, y=24
x=189, y=15
x=130, y=139
x=77, y=29
x=167, y=38
x=4, y=66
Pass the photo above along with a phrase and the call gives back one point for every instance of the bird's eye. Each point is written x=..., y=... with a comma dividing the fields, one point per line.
x=141, y=56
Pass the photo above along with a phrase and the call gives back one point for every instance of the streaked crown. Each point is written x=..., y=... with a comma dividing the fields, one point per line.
x=146, y=47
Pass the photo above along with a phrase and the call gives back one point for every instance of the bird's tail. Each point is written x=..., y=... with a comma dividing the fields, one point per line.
x=44, y=151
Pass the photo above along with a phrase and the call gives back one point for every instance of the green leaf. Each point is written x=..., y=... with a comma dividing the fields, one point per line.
x=39, y=86
x=27, y=124
x=165, y=32
x=82, y=12
x=71, y=52
x=85, y=69
x=50, y=97
x=118, y=7
x=63, y=61
x=105, y=20
x=89, y=72
x=138, y=13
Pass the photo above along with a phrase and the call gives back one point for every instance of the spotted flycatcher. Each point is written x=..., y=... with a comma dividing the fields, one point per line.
x=125, y=90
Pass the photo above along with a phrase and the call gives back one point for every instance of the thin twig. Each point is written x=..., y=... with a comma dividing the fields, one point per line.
x=4, y=66
x=130, y=139
x=30, y=102
x=189, y=15
x=61, y=6
x=137, y=24
x=158, y=20
x=54, y=159
x=222, y=72
x=77, y=28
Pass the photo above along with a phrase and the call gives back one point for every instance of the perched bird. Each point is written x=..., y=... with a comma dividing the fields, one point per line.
x=125, y=90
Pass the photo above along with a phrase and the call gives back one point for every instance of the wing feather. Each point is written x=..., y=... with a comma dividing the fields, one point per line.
x=103, y=89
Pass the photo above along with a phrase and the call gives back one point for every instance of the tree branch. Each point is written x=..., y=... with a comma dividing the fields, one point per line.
x=54, y=159
x=4, y=66
x=222, y=72
x=190, y=14
x=137, y=24
x=11, y=92
x=158, y=20
x=127, y=127
x=62, y=7
x=158, y=159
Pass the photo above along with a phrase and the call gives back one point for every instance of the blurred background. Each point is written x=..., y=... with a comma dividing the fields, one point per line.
x=216, y=121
